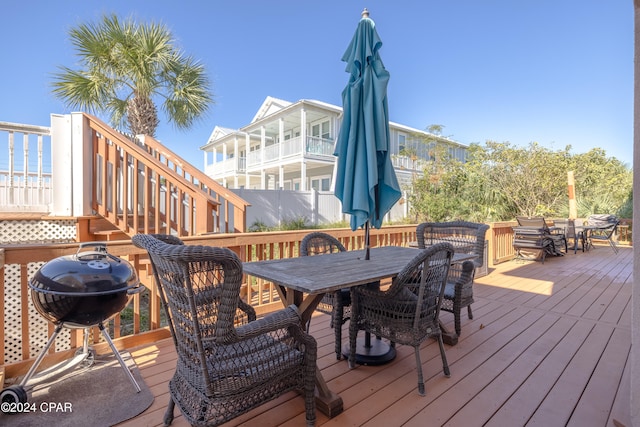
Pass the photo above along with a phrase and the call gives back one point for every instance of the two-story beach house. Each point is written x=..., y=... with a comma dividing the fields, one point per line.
x=290, y=146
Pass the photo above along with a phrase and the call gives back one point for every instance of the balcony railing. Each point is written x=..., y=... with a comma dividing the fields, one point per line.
x=291, y=147
x=25, y=170
x=405, y=162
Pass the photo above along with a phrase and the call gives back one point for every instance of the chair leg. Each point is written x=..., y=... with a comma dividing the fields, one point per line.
x=168, y=415
x=469, y=312
x=457, y=322
x=353, y=336
x=445, y=365
x=338, y=312
x=421, y=390
x=613, y=245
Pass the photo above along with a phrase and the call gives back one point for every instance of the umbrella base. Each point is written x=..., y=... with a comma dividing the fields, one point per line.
x=371, y=351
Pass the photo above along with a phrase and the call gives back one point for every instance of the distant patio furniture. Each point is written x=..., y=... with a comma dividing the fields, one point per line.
x=408, y=311
x=572, y=230
x=228, y=362
x=534, y=236
x=337, y=304
x=466, y=237
x=602, y=228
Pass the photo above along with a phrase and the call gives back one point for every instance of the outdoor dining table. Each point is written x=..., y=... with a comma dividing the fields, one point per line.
x=303, y=281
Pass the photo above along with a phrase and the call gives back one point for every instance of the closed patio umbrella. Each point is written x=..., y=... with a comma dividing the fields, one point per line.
x=366, y=182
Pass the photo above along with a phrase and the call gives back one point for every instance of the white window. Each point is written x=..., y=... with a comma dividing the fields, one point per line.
x=321, y=183
x=321, y=130
x=402, y=143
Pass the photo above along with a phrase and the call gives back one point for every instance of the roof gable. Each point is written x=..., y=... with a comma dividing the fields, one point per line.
x=270, y=106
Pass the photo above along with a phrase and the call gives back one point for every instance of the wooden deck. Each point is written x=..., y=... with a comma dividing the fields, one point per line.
x=548, y=346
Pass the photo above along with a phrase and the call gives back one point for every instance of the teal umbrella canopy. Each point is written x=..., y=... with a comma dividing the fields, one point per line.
x=366, y=182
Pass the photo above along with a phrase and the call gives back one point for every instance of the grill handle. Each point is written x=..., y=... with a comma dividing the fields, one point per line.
x=136, y=290
x=100, y=251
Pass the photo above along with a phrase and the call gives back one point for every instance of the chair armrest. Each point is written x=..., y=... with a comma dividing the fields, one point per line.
x=288, y=317
x=461, y=280
x=465, y=273
x=248, y=310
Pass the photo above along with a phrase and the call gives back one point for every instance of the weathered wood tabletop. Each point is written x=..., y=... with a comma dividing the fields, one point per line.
x=321, y=274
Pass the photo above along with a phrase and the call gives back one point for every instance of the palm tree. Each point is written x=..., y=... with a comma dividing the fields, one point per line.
x=127, y=67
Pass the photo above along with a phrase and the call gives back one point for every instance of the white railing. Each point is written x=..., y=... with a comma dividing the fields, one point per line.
x=404, y=162
x=320, y=146
x=223, y=167
x=291, y=147
x=25, y=172
x=272, y=152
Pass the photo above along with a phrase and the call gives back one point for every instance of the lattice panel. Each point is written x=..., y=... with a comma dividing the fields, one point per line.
x=12, y=314
x=37, y=231
x=38, y=331
x=38, y=326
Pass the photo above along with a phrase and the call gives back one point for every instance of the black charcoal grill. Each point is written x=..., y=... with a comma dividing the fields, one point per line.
x=80, y=291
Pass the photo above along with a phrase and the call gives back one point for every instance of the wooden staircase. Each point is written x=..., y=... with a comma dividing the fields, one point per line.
x=140, y=186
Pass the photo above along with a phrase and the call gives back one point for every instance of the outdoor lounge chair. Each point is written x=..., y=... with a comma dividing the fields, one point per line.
x=607, y=227
x=229, y=362
x=408, y=311
x=533, y=235
x=572, y=230
x=468, y=238
x=336, y=304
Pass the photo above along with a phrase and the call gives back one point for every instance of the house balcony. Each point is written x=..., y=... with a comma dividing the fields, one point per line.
x=294, y=147
x=549, y=344
x=291, y=149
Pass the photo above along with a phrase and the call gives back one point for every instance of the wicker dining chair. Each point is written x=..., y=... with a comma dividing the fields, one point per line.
x=336, y=304
x=408, y=311
x=468, y=238
x=229, y=362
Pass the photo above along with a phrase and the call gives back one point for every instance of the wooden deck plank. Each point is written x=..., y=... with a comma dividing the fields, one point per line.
x=522, y=404
x=549, y=345
x=462, y=363
x=500, y=389
x=596, y=401
x=490, y=371
x=559, y=404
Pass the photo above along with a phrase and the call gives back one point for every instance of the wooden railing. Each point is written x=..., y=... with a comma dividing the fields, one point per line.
x=141, y=321
x=145, y=188
x=23, y=332
x=231, y=208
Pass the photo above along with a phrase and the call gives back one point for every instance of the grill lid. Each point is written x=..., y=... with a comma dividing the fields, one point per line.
x=93, y=272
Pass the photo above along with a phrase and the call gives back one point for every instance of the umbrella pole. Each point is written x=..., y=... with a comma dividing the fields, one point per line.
x=366, y=240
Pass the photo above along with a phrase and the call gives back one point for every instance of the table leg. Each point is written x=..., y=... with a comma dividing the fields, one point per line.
x=448, y=337
x=327, y=402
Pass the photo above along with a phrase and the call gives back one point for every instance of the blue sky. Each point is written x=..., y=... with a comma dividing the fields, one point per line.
x=558, y=72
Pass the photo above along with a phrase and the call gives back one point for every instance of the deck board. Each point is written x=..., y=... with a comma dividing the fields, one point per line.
x=549, y=345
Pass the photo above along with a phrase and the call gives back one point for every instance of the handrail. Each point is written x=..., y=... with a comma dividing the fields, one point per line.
x=197, y=177
x=138, y=192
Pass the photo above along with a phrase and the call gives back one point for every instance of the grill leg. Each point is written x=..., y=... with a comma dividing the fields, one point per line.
x=107, y=338
x=35, y=365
